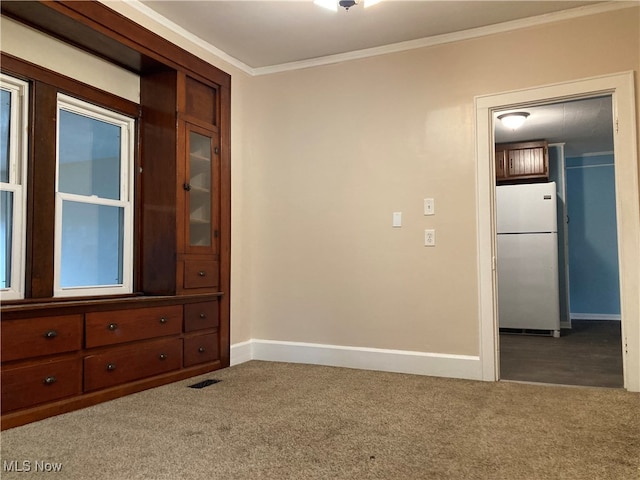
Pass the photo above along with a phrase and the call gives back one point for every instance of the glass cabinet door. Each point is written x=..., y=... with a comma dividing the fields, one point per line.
x=200, y=187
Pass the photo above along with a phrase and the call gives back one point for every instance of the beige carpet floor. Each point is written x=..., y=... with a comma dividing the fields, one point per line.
x=289, y=421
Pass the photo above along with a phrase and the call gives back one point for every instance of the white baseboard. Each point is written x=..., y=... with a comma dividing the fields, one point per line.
x=594, y=316
x=240, y=353
x=398, y=361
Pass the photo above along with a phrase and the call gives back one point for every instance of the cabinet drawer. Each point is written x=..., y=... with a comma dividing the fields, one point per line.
x=125, y=364
x=120, y=326
x=24, y=387
x=198, y=316
x=36, y=337
x=200, y=349
x=198, y=273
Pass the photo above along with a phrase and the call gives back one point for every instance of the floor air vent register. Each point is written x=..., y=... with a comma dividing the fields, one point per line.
x=204, y=383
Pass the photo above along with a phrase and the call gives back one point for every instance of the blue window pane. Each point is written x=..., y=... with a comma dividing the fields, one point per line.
x=89, y=156
x=6, y=232
x=92, y=245
x=5, y=124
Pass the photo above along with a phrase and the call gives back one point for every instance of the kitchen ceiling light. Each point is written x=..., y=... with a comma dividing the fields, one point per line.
x=346, y=4
x=513, y=120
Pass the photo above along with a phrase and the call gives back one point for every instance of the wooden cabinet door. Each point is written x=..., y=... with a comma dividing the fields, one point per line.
x=522, y=162
x=201, y=190
x=527, y=162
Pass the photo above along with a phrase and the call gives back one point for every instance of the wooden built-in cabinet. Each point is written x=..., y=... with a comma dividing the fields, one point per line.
x=522, y=162
x=182, y=221
x=62, y=354
x=81, y=352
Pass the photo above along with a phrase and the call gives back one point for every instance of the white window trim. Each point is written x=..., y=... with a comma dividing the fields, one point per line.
x=18, y=150
x=126, y=200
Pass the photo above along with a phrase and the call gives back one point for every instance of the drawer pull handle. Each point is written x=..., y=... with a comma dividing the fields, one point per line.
x=112, y=326
x=201, y=350
x=111, y=367
x=162, y=356
x=50, y=380
x=203, y=315
x=202, y=273
x=51, y=334
x=163, y=320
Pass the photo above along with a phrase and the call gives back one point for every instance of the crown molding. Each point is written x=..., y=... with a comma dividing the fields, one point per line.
x=449, y=37
x=190, y=37
x=385, y=49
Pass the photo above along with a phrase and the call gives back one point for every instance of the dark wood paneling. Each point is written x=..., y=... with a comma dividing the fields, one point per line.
x=201, y=101
x=41, y=208
x=159, y=147
x=225, y=223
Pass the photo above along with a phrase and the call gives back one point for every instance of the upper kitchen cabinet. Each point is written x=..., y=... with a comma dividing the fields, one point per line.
x=522, y=162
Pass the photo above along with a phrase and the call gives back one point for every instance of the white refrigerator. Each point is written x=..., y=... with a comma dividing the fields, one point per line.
x=527, y=265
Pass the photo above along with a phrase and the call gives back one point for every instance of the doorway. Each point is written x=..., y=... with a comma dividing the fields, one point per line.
x=578, y=137
x=621, y=89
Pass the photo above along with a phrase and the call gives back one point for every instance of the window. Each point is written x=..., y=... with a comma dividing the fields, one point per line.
x=13, y=154
x=94, y=200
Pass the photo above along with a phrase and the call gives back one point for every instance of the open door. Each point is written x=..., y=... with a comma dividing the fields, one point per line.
x=621, y=89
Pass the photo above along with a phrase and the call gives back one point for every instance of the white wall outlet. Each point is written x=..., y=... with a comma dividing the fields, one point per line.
x=429, y=206
x=430, y=238
x=397, y=219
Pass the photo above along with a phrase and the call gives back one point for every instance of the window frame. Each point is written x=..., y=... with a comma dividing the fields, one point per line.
x=17, y=184
x=127, y=127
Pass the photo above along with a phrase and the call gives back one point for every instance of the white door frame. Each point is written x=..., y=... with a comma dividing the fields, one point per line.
x=621, y=88
x=566, y=323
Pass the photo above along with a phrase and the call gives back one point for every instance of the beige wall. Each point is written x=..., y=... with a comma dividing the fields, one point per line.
x=343, y=146
x=321, y=158
x=29, y=44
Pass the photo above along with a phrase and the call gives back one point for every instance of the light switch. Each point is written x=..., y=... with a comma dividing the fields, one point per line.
x=397, y=219
x=429, y=206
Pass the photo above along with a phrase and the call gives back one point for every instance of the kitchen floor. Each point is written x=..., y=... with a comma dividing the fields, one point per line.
x=589, y=354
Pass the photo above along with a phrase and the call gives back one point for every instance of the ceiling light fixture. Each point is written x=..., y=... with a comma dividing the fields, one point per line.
x=513, y=120
x=346, y=4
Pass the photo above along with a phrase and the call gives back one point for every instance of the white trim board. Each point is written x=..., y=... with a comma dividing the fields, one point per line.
x=397, y=361
x=593, y=154
x=595, y=316
x=240, y=353
x=621, y=88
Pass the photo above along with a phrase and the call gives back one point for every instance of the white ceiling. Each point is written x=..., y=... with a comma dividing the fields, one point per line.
x=584, y=126
x=267, y=33
x=268, y=36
